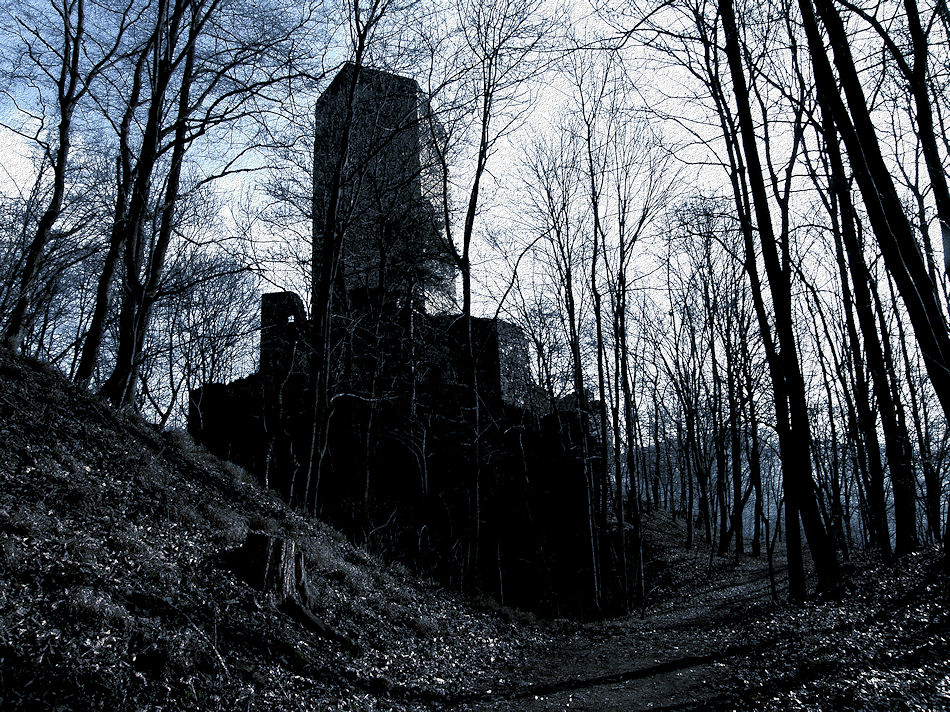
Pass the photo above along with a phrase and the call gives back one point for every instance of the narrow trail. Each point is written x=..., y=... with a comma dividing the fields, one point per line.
x=677, y=656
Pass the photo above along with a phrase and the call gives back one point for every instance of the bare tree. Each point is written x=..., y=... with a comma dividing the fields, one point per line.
x=886, y=214
x=61, y=55
x=364, y=22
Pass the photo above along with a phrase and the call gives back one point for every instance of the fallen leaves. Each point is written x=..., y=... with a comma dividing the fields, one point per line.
x=110, y=597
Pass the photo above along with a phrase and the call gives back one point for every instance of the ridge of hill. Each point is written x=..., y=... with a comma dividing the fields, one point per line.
x=113, y=594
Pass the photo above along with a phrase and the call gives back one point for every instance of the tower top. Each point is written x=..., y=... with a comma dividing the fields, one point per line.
x=390, y=219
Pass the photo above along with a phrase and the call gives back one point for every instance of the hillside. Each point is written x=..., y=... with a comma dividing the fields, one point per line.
x=117, y=593
x=113, y=595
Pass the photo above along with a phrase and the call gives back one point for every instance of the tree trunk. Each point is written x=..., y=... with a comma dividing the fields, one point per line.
x=68, y=95
x=125, y=179
x=796, y=440
x=898, y=245
x=274, y=566
x=925, y=126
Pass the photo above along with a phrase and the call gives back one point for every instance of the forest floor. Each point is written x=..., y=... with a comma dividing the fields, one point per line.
x=114, y=596
x=717, y=640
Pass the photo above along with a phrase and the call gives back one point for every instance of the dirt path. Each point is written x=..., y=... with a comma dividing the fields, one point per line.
x=676, y=657
x=880, y=643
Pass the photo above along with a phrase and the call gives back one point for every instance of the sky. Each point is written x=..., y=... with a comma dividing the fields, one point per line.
x=15, y=165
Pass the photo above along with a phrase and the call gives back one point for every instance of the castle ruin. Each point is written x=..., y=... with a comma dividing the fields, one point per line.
x=495, y=501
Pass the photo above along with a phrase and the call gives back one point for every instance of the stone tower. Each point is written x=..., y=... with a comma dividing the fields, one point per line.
x=391, y=213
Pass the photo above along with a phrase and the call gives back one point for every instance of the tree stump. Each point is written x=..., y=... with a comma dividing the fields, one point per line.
x=274, y=566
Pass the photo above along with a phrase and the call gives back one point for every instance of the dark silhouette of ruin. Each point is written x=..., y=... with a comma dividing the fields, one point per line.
x=506, y=509
x=391, y=208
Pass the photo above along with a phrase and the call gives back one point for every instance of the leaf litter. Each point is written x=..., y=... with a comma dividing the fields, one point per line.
x=112, y=597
